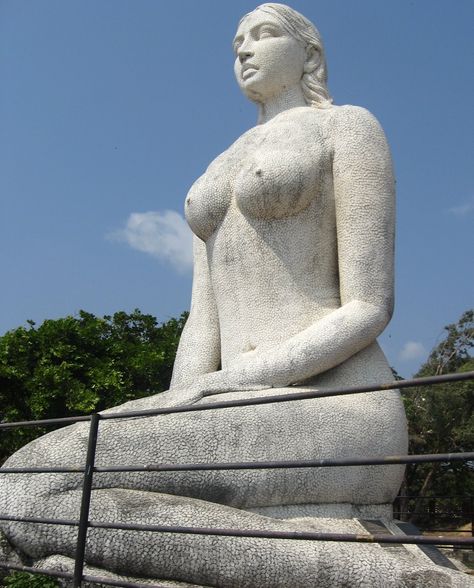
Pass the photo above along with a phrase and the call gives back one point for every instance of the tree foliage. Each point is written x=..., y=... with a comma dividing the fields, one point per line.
x=82, y=364
x=26, y=580
x=441, y=420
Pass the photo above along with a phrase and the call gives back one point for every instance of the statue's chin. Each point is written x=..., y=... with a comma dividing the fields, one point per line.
x=252, y=94
x=254, y=89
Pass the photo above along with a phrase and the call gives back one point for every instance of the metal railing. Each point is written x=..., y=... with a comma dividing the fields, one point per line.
x=89, y=469
x=440, y=511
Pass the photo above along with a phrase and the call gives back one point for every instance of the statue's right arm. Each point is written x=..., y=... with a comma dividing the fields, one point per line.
x=199, y=347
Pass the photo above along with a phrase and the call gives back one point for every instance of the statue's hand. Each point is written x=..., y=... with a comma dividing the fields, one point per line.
x=180, y=397
x=226, y=381
x=168, y=399
x=208, y=385
x=203, y=385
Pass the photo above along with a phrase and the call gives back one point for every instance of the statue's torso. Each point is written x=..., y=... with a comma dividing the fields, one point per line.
x=265, y=208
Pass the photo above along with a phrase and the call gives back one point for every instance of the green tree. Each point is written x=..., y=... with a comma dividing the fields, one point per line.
x=78, y=365
x=441, y=420
x=26, y=580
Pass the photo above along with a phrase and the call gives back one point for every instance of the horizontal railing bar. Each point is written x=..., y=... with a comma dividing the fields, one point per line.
x=41, y=520
x=398, y=384
x=252, y=465
x=256, y=533
x=301, y=535
x=414, y=497
x=301, y=463
x=56, y=421
x=433, y=380
x=45, y=470
x=46, y=572
x=432, y=515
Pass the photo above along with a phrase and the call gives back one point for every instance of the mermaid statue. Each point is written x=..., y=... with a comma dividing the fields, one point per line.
x=293, y=282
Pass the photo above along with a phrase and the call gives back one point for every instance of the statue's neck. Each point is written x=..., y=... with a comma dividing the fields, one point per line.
x=289, y=98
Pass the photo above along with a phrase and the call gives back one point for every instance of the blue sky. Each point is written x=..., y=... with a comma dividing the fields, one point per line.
x=110, y=109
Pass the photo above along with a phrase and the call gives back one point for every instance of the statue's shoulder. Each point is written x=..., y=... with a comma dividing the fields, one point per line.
x=349, y=121
x=340, y=122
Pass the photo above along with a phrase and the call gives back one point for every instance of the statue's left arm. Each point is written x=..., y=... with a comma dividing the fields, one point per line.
x=364, y=204
x=199, y=347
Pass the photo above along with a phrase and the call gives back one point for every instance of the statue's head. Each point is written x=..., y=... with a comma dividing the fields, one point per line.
x=292, y=52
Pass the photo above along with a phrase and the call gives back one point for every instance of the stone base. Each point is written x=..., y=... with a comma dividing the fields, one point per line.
x=343, y=510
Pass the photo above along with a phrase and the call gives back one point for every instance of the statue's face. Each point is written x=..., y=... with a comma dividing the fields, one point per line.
x=268, y=59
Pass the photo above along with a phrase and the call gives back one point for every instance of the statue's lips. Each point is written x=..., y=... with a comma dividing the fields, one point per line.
x=248, y=70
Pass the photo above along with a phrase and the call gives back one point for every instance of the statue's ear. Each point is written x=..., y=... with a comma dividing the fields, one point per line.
x=313, y=59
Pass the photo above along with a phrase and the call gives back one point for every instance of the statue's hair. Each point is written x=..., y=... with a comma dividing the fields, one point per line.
x=313, y=82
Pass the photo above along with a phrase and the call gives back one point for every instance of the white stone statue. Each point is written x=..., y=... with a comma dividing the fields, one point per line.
x=293, y=282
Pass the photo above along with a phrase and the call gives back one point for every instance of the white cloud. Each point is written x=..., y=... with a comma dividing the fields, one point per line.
x=412, y=350
x=463, y=209
x=164, y=235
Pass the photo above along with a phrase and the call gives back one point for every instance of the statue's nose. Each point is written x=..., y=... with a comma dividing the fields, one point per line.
x=244, y=55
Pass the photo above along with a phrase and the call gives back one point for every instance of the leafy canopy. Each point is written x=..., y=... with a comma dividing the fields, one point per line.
x=441, y=420
x=81, y=364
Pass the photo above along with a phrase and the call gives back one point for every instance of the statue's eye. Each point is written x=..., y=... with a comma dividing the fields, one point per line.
x=267, y=31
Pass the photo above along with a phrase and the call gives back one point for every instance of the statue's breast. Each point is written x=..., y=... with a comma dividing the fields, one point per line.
x=276, y=182
x=272, y=172
x=209, y=198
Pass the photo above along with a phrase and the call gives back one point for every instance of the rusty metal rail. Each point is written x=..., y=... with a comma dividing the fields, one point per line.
x=255, y=465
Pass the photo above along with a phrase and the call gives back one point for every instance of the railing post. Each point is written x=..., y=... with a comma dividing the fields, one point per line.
x=85, y=501
x=471, y=505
